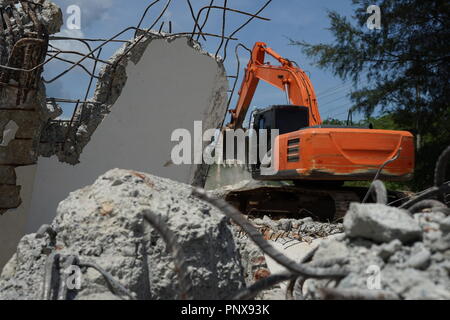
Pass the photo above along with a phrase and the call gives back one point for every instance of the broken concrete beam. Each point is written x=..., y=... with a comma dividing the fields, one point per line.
x=380, y=223
x=104, y=224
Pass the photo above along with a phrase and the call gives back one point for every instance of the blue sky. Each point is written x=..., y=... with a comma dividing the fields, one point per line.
x=296, y=19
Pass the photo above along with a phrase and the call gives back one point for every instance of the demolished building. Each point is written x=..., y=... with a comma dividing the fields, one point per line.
x=154, y=84
x=138, y=235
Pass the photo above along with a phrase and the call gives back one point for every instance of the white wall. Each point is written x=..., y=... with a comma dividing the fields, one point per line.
x=172, y=86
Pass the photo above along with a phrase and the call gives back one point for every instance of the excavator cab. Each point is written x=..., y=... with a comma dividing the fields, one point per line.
x=285, y=118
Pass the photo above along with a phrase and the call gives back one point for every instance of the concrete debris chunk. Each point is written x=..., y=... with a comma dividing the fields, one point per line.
x=9, y=133
x=387, y=250
x=104, y=224
x=380, y=223
x=445, y=225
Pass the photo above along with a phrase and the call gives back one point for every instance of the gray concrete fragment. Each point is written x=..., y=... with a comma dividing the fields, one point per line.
x=380, y=223
x=331, y=250
x=9, y=133
x=387, y=250
x=445, y=225
x=419, y=260
x=104, y=224
x=413, y=285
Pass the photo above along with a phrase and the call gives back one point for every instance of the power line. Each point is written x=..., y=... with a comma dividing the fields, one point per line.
x=330, y=89
x=330, y=112
x=336, y=90
x=331, y=102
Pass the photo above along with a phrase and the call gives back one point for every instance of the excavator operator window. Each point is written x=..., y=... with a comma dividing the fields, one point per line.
x=291, y=118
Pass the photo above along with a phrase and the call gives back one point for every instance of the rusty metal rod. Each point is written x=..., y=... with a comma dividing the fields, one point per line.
x=78, y=65
x=228, y=9
x=88, y=39
x=144, y=14
x=107, y=41
x=206, y=18
x=224, y=21
x=78, y=54
x=194, y=18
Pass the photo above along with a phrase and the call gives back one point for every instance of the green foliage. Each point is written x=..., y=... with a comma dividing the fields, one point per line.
x=407, y=67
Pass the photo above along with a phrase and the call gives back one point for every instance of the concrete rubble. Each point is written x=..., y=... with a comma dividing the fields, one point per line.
x=419, y=268
x=193, y=250
x=104, y=224
x=409, y=258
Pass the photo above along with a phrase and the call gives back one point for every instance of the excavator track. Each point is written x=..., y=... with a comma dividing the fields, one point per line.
x=322, y=204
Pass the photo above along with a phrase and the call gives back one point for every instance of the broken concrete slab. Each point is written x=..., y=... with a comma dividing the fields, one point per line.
x=104, y=224
x=163, y=84
x=380, y=223
x=132, y=71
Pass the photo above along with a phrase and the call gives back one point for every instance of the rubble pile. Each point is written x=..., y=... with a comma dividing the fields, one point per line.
x=137, y=236
x=104, y=225
x=305, y=230
x=390, y=253
x=286, y=233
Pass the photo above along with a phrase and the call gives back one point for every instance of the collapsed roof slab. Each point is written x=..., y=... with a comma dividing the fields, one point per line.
x=162, y=84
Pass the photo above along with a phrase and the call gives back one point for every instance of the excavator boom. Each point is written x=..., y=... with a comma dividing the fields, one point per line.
x=286, y=77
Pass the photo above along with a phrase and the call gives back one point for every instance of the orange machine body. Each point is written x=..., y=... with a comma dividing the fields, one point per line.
x=318, y=152
x=342, y=154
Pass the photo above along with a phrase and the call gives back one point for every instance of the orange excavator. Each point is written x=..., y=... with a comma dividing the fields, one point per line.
x=317, y=158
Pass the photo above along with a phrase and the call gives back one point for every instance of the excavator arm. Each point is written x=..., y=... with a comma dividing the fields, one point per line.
x=287, y=77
